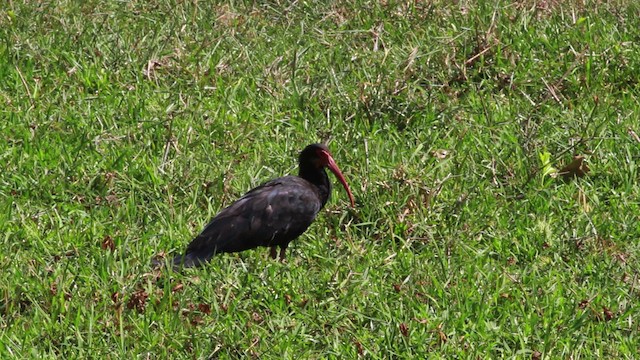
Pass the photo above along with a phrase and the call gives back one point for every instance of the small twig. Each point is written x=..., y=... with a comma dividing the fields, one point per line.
x=474, y=57
x=26, y=87
x=366, y=158
x=551, y=91
x=167, y=147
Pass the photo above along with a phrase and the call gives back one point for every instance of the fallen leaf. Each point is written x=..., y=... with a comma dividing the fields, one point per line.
x=257, y=317
x=404, y=329
x=583, y=304
x=112, y=199
x=576, y=168
x=197, y=320
x=359, y=348
x=138, y=301
x=537, y=355
x=177, y=287
x=204, y=308
x=608, y=314
x=108, y=243
x=442, y=335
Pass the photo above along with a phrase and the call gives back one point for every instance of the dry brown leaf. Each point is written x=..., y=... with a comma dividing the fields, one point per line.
x=204, y=308
x=108, y=243
x=138, y=301
x=441, y=334
x=257, y=317
x=197, y=320
x=359, y=347
x=583, y=304
x=576, y=168
x=404, y=329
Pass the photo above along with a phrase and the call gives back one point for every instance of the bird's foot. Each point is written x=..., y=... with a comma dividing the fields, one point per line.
x=282, y=254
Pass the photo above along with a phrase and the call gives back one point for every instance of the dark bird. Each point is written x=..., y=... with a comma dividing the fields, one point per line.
x=273, y=214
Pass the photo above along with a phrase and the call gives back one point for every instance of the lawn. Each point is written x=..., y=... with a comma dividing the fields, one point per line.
x=125, y=126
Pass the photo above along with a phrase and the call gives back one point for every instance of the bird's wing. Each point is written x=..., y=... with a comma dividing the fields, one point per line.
x=279, y=210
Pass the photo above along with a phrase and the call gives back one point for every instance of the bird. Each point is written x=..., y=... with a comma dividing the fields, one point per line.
x=270, y=215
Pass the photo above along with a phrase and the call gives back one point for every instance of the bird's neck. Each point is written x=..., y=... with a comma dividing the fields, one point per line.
x=318, y=178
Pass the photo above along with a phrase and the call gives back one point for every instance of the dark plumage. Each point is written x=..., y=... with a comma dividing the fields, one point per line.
x=272, y=214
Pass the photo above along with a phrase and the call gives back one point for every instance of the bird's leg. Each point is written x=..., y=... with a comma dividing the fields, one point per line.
x=283, y=250
x=273, y=252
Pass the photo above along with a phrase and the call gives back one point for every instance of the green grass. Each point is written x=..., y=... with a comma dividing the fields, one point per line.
x=137, y=121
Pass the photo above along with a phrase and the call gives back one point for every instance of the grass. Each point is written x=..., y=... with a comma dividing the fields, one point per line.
x=125, y=126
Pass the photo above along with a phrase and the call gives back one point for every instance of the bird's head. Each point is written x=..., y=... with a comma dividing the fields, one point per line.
x=318, y=156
